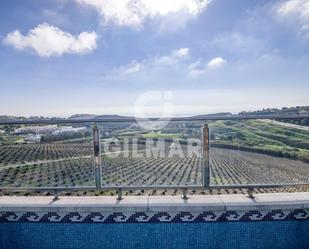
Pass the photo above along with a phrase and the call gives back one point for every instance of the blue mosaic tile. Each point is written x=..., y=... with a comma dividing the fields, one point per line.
x=289, y=234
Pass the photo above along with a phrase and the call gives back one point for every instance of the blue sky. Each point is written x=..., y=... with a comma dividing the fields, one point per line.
x=60, y=57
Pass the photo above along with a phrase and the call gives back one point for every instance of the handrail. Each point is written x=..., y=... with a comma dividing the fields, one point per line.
x=158, y=187
x=172, y=119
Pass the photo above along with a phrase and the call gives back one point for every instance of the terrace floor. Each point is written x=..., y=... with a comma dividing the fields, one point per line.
x=272, y=201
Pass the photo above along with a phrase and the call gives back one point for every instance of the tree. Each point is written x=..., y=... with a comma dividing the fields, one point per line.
x=304, y=121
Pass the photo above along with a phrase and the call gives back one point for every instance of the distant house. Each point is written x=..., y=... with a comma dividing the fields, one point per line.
x=33, y=139
x=68, y=129
x=36, y=129
x=49, y=129
x=2, y=131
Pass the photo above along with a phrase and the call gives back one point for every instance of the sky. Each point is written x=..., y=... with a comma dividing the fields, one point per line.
x=135, y=57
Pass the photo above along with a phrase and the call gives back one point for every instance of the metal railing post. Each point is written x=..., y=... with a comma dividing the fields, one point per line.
x=119, y=195
x=97, y=156
x=250, y=193
x=184, y=194
x=56, y=196
x=205, y=152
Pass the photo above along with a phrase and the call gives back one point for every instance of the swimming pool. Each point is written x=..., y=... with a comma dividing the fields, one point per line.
x=273, y=221
x=258, y=234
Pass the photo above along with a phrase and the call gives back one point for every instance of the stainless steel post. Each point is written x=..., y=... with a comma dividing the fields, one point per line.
x=119, y=195
x=206, y=169
x=184, y=194
x=97, y=156
x=56, y=196
x=250, y=193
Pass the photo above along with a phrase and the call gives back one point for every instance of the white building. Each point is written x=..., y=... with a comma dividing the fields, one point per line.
x=36, y=129
x=33, y=139
x=68, y=129
x=49, y=129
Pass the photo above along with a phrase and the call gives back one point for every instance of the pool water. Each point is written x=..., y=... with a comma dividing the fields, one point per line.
x=231, y=235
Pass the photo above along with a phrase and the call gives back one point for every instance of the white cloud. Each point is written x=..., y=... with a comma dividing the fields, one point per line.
x=198, y=68
x=239, y=43
x=175, y=59
x=131, y=68
x=47, y=40
x=299, y=8
x=216, y=63
x=134, y=12
x=304, y=31
x=178, y=63
x=181, y=53
x=297, y=12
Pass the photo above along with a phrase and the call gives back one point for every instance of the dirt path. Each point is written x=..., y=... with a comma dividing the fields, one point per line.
x=55, y=160
x=305, y=128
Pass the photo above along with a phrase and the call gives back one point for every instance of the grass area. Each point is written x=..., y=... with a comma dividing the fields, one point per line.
x=10, y=139
x=263, y=137
x=127, y=133
x=153, y=134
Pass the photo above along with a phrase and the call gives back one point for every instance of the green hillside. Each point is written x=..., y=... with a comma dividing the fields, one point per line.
x=263, y=137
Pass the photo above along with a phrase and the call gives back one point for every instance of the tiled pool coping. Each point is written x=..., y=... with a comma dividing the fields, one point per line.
x=156, y=209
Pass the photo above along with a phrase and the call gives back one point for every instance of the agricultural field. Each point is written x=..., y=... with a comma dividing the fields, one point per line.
x=247, y=152
x=227, y=167
x=174, y=170
x=119, y=168
x=261, y=136
x=27, y=153
x=230, y=167
x=64, y=173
